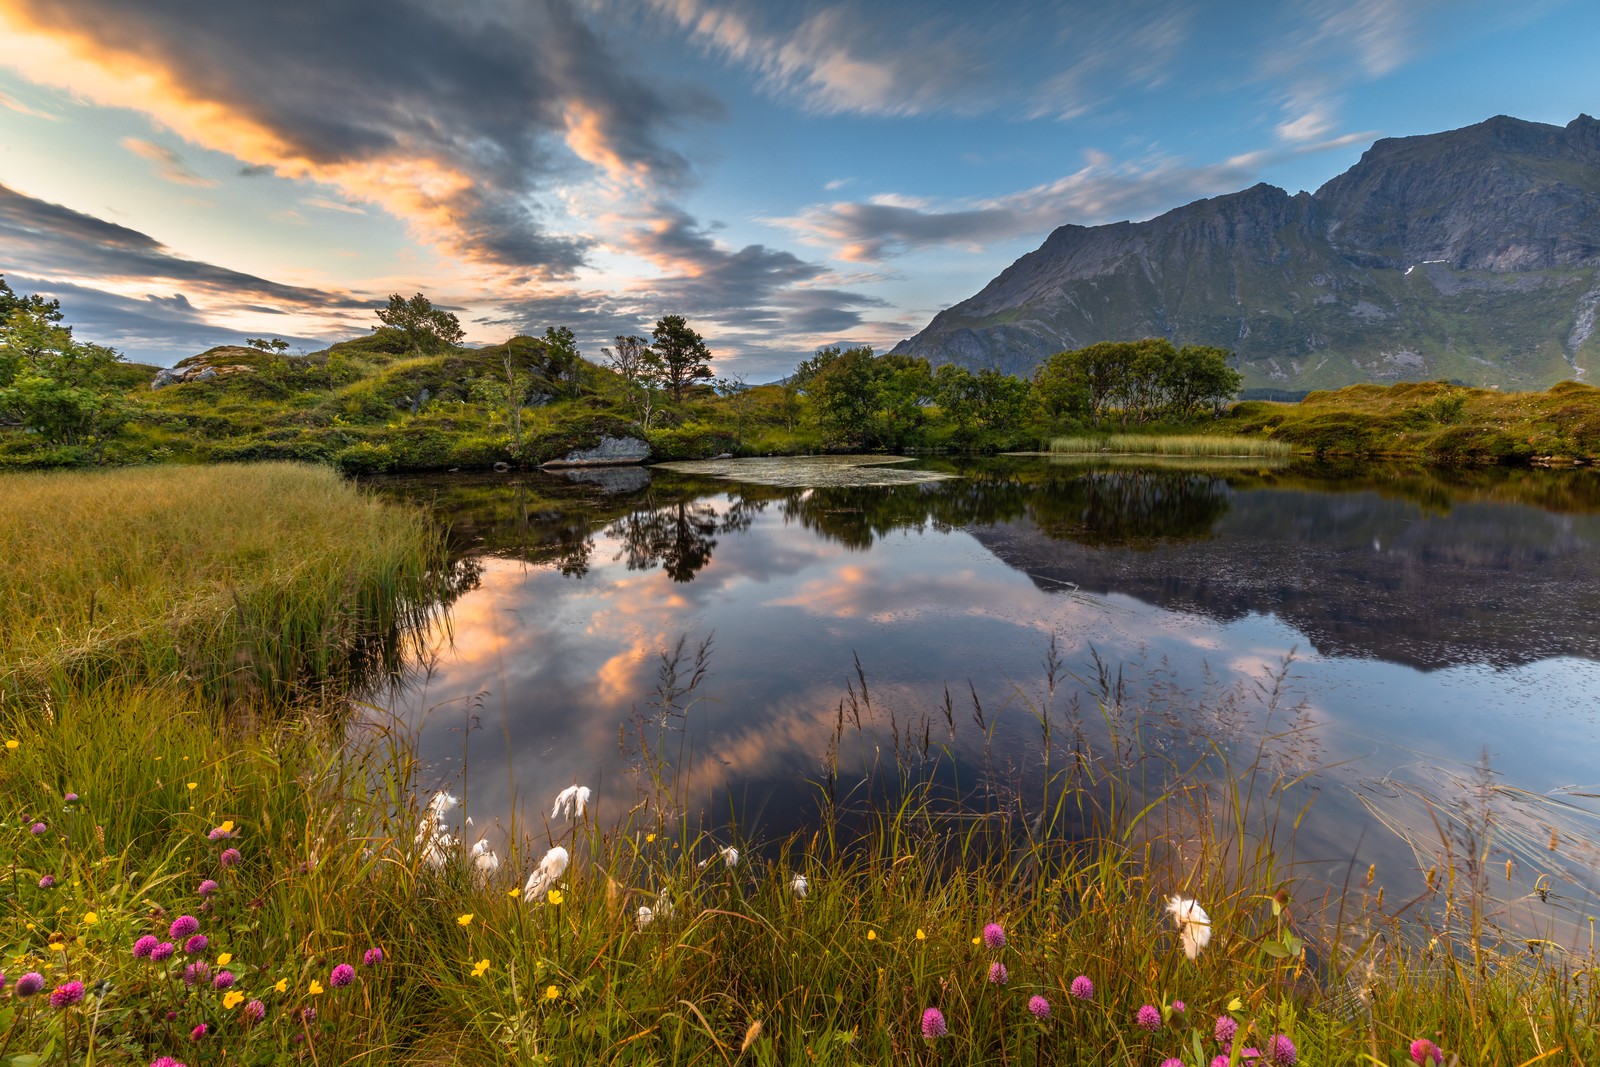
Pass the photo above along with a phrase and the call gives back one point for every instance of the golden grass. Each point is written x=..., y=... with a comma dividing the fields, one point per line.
x=1170, y=445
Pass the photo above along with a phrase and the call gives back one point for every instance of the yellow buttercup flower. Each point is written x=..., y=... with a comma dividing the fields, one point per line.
x=552, y=993
x=232, y=999
x=554, y=896
x=514, y=892
x=224, y=959
x=479, y=967
x=13, y=744
x=977, y=940
x=872, y=935
x=315, y=988
x=282, y=986
x=647, y=837
x=90, y=918
x=194, y=785
x=227, y=826
x=920, y=935
x=464, y=920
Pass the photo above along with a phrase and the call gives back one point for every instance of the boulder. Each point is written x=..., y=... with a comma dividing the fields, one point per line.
x=611, y=451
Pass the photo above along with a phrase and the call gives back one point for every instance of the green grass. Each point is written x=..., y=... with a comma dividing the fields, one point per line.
x=237, y=578
x=1171, y=445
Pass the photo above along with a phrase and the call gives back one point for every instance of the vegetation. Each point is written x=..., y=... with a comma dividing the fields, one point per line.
x=242, y=580
x=408, y=397
x=1172, y=445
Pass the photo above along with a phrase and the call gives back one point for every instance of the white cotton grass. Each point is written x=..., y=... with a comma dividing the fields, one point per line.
x=730, y=858
x=799, y=886
x=663, y=909
x=1194, y=925
x=551, y=867
x=485, y=861
x=434, y=843
x=571, y=802
x=646, y=916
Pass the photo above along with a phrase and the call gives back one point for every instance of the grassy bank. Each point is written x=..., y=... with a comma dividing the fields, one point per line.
x=239, y=579
x=1204, y=445
x=340, y=924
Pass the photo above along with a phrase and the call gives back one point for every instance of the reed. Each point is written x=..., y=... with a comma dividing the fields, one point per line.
x=243, y=579
x=1171, y=445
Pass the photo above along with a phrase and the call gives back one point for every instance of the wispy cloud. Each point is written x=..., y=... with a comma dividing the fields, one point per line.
x=169, y=164
x=1101, y=191
x=11, y=103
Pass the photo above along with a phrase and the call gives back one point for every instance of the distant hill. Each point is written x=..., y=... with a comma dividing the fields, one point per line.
x=1472, y=255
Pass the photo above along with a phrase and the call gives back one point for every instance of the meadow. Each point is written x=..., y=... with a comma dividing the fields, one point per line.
x=204, y=873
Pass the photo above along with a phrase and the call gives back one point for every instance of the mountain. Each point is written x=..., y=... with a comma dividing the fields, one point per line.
x=1472, y=254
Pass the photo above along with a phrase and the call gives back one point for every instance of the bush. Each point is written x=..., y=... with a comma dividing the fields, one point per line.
x=364, y=457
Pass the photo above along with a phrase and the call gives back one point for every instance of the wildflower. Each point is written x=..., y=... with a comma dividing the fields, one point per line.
x=555, y=897
x=1082, y=988
x=571, y=801
x=29, y=984
x=441, y=804
x=1422, y=1050
x=2, y=982
x=1039, y=1007
x=13, y=744
x=183, y=926
x=872, y=935
x=224, y=959
x=71, y=798
x=920, y=935
x=663, y=904
x=162, y=952
x=649, y=838
x=484, y=860
x=464, y=920
x=66, y=995
x=514, y=892
x=1225, y=1029
x=315, y=988
x=223, y=980
x=1179, y=1007
x=1172, y=1061
x=730, y=857
x=167, y=1061
x=552, y=993
x=90, y=918
x=342, y=976
x=1148, y=1018
x=1281, y=1051
x=47, y=881
x=551, y=867
x=255, y=1011
x=799, y=886
x=479, y=967
x=232, y=999
x=230, y=857
x=207, y=887
x=198, y=971
x=977, y=939
x=933, y=1024
x=282, y=985
x=308, y=1014
x=1194, y=925
x=196, y=944
x=994, y=937
x=997, y=973
x=372, y=957
x=192, y=786
x=37, y=828
x=199, y=1031
x=646, y=916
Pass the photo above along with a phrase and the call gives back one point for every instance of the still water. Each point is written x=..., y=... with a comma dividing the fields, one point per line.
x=1419, y=626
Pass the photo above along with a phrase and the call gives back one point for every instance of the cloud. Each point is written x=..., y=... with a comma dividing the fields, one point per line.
x=49, y=240
x=1101, y=191
x=11, y=103
x=327, y=204
x=169, y=164
x=461, y=121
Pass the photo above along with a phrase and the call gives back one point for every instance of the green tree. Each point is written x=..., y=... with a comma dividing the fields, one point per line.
x=680, y=355
x=627, y=358
x=266, y=344
x=426, y=329
x=977, y=403
x=561, y=355
x=51, y=383
x=862, y=401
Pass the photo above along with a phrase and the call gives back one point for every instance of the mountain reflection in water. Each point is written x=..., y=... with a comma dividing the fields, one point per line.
x=1431, y=618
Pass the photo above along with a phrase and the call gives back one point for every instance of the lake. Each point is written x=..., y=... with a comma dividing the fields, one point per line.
x=1409, y=646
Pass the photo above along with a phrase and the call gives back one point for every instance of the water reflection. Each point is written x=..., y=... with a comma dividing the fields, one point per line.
x=1428, y=617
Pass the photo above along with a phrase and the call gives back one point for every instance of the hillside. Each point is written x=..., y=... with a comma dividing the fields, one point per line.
x=1471, y=255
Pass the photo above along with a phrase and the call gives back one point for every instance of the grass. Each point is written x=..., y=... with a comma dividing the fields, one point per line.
x=1172, y=445
x=120, y=796
x=236, y=578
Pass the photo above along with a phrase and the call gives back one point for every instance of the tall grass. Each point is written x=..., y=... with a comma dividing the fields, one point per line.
x=238, y=578
x=1172, y=445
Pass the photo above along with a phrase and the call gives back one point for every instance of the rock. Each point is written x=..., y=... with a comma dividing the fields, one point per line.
x=206, y=375
x=167, y=376
x=610, y=480
x=502, y=466
x=610, y=451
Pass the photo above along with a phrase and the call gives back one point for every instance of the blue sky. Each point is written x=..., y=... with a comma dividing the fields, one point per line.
x=183, y=173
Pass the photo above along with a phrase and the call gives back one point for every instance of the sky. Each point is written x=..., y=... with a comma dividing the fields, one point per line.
x=786, y=175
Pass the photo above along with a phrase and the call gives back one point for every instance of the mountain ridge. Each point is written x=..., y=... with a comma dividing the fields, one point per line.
x=1472, y=254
